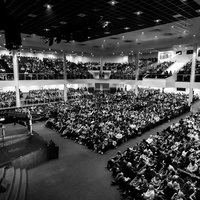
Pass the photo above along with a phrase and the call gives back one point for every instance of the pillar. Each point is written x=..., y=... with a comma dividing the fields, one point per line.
x=16, y=77
x=101, y=63
x=136, y=72
x=192, y=75
x=65, y=76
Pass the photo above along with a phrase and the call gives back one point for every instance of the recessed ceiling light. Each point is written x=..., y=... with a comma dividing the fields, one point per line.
x=140, y=24
x=127, y=28
x=32, y=15
x=194, y=35
x=157, y=20
x=172, y=26
x=62, y=22
x=138, y=12
x=198, y=11
x=113, y=2
x=48, y=6
x=177, y=16
x=156, y=36
x=142, y=33
x=121, y=18
x=96, y=10
x=81, y=15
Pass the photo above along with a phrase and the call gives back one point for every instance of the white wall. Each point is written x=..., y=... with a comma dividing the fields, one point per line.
x=114, y=59
x=38, y=87
x=183, y=58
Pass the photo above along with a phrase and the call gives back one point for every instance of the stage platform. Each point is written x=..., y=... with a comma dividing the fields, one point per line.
x=19, y=149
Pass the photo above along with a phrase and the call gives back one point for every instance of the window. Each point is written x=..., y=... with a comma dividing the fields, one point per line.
x=180, y=89
x=189, y=52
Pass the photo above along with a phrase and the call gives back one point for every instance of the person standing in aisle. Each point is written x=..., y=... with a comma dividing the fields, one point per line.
x=29, y=123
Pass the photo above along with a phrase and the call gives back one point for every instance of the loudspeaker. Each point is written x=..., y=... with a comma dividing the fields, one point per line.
x=12, y=34
x=4, y=185
x=53, y=152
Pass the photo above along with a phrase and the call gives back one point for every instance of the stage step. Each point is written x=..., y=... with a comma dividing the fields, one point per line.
x=17, y=180
x=16, y=184
x=23, y=186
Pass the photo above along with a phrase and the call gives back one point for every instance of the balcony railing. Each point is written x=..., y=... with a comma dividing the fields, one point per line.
x=40, y=76
x=162, y=76
x=6, y=76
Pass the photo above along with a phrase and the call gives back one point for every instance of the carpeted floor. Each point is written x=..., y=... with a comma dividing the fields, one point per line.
x=79, y=173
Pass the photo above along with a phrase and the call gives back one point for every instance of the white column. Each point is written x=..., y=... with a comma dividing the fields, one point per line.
x=137, y=71
x=65, y=76
x=16, y=77
x=192, y=75
x=101, y=63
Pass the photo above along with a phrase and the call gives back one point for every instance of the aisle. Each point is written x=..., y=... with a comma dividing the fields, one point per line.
x=79, y=173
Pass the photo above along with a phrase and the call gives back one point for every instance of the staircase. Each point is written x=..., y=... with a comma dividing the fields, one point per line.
x=17, y=183
x=176, y=67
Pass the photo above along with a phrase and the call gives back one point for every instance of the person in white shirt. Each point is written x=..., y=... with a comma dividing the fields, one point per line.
x=150, y=193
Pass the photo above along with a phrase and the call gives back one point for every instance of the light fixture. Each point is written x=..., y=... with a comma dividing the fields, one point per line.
x=126, y=28
x=113, y=2
x=157, y=20
x=138, y=12
x=142, y=33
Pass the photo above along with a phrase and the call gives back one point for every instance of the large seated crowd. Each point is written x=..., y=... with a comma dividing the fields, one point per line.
x=103, y=121
x=43, y=96
x=166, y=166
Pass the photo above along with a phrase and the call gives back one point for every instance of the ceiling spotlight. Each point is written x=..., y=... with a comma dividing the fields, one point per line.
x=138, y=12
x=127, y=28
x=157, y=20
x=113, y=2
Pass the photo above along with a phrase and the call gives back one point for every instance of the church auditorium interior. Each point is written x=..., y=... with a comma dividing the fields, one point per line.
x=100, y=100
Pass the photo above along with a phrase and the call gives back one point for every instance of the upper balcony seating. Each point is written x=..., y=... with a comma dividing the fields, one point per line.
x=159, y=71
x=128, y=70
x=77, y=71
x=184, y=74
x=92, y=65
